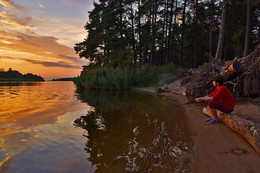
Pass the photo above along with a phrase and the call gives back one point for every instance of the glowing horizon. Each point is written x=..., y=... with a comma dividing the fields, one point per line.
x=38, y=36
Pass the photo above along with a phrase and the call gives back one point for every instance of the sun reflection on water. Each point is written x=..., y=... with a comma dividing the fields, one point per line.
x=46, y=127
x=36, y=116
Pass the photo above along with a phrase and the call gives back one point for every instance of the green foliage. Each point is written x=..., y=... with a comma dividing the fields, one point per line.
x=108, y=78
x=120, y=58
x=127, y=33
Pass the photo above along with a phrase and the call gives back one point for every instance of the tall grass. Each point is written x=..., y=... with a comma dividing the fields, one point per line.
x=107, y=78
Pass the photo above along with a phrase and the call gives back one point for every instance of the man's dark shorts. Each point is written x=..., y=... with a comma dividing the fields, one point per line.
x=219, y=106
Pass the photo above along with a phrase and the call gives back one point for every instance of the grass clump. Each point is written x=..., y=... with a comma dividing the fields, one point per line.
x=108, y=78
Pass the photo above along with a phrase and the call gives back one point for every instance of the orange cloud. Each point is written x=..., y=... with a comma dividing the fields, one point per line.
x=19, y=21
x=8, y=3
x=52, y=64
x=25, y=47
x=29, y=53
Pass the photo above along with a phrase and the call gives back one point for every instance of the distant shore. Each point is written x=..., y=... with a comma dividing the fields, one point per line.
x=64, y=79
x=14, y=75
x=19, y=80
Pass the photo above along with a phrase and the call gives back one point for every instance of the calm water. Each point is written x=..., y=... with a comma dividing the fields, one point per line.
x=47, y=127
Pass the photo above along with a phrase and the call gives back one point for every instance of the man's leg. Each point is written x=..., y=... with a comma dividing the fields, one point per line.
x=212, y=105
x=213, y=113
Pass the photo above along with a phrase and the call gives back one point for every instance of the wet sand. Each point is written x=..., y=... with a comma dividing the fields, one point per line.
x=216, y=148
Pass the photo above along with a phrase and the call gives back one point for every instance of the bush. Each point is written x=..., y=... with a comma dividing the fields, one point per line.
x=108, y=78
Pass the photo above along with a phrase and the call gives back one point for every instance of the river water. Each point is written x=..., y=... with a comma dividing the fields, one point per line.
x=48, y=127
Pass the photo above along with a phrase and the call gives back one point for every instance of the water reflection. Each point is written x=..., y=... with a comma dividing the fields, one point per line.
x=36, y=127
x=134, y=133
x=17, y=83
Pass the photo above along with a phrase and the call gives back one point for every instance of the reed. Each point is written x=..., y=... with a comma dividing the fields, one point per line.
x=108, y=78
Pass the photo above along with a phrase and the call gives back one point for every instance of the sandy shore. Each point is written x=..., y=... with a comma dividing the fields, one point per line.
x=216, y=148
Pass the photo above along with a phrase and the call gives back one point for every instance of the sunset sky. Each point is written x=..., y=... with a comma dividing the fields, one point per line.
x=38, y=36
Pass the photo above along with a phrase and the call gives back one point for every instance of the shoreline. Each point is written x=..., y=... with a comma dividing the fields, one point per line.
x=216, y=148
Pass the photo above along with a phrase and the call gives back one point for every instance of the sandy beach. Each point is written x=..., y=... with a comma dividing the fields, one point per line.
x=216, y=148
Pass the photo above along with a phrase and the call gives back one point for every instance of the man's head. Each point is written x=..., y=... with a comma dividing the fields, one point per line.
x=218, y=80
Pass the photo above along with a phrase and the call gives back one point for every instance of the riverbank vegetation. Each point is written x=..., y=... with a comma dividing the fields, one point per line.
x=14, y=75
x=126, y=36
x=109, y=78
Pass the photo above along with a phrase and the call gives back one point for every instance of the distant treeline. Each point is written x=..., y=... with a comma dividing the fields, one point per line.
x=124, y=33
x=64, y=79
x=14, y=75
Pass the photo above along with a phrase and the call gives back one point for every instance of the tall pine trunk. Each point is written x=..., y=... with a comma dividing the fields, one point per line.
x=258, y=32
x=174, y=29
x=164, y=34
x=121, y=23
x=170, y=33
x=222, y=30
x=182, y=32
x=153, y=31
x=195, y=47
x=133, y=33
x=211, y=26
x=248, y=27
x=139, y=32
x=147, y=44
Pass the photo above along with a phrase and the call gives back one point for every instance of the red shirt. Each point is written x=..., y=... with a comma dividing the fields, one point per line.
x=224, y=96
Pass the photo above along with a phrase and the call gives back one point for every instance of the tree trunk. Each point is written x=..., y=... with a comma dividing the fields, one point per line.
x=222, y=30
x=182, y=32
x=248, y=28
x=154, y=5
x=211, y=26
x=174, y=29
x=133, y=34
x=195, y=35
x=147, y=55
x=170, y=33
x=164, y=32
x=139, y=31
x=121, y=23
x=248, y=129
x=258, y=32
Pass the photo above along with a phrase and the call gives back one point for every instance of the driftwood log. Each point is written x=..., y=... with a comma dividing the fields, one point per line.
x=248, y=129
x=243, y=81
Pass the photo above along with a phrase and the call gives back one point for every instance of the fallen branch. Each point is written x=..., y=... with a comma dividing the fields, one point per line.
x=179, y=92
x=248, y=129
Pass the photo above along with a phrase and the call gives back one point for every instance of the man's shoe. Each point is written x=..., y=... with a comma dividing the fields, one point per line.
x=213, y=121
x=209, y=120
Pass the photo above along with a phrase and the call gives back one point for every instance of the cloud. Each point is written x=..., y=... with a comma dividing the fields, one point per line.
x=53, y=64
x=33, y=38
x=77, y=2
x=15, y=20
x=6, y=35
x=37, y=49
x=39, y=45
x=7, y=57
x=9, y=3
x=6, y=42
x=74, y=59
x=68, y=32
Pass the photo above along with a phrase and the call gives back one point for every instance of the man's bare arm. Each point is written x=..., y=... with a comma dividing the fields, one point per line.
x=205, y=98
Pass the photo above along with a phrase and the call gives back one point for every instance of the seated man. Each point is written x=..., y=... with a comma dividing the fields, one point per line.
x=221, y=99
